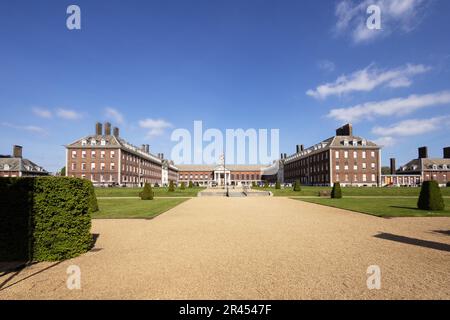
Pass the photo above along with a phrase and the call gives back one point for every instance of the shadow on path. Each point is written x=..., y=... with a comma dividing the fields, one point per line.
x=414, y=241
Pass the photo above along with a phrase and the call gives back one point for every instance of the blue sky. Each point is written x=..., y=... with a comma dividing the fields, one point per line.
x=304, y=67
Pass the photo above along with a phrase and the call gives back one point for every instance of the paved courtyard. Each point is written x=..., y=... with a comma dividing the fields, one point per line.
x=250, y=248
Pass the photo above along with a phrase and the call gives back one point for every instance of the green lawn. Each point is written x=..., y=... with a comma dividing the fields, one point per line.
x=352, y=191
x=134, y=208
x=134, y=192
x=382, y=207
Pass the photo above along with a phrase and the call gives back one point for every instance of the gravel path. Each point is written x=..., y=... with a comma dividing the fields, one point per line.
x=251, y=248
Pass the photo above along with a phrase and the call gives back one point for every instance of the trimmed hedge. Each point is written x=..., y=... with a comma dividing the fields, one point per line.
x=336, y=192
x=45, y=218
x=147, y=194
x=297, y=186
x=430, y=197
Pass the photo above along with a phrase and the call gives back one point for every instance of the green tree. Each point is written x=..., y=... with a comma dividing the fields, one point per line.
x=63, y=172
x=297, y=186
x=430, y=197
x=278, y=185
x=336, y=192
x=183, y=186
x=191, y=185
x=266, y=184
x=171, y=186
x=147, y=194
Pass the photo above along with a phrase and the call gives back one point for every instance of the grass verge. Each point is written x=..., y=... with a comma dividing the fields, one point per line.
x=134, y=192
x=382, y=207
x=134, y=208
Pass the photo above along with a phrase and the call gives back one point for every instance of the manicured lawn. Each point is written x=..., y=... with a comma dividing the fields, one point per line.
x=382, y=207
x=353, y=191
x=134, y=208
x=134, y=192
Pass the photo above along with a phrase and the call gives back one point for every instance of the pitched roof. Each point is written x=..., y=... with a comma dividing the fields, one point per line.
x=19, y=164
x=110, y=141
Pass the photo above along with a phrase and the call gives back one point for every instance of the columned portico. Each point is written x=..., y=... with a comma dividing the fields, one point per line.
x=222, y=176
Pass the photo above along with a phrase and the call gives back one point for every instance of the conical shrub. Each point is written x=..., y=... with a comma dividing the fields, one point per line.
x=147, y=194
x=297, y=186
x=430, y=197
x=336, y=192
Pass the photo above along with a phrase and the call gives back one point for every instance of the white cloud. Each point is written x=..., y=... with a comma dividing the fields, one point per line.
x=326, y=65
x=385, y=141
x=396, y=16
x=68, y=114
x=391, y=107
x=413, y=127
x=29, y=128
x=406, y=128
x=154, y=127
x=114, y=115
x=368, y=79
x=43, y=113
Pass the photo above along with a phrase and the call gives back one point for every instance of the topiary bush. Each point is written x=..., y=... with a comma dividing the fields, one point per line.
x=191, y=185
x=156, y=185
x=297, y=186
x=278, y=185
x=182, y=186
x=266, y=184
x=147, y=193
x=430, y=197
x=336, y=192
x=47, y=218
x=448, y=184
x=171, y=187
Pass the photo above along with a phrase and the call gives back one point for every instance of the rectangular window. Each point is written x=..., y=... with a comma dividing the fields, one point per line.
x=364, y=165
x=337, y=168
x=337, y=154
x=74, y=154
x=83, y=154
x=113, y=154
x=355, y=154
x=345, y=154
x=372, y=165
x=93, y=154
x=363, y=154
x=83, y=166
x=373, y=178
x=364, y=177
x=102, y=154
x=372, y=154
x=93, y=166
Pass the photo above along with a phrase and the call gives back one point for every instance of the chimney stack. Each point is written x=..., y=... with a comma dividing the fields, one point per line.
x=345, y=130
x=284, y=155
x=17, y=151
x=107, y=129
x=447, y=153
x=393, y=166
x=143, y=147
x=300, y=148
x=147, y=148
x=116, y=132
x=98, y=129
x=423, y=152
x=162, y=156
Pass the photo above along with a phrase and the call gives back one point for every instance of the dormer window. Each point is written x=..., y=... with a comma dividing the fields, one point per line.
x=103, y=142
x=345, y=142
x=6, y=167
x=93, y=142
x=444, y=166
x=355, y=143
x=435, y=167
x=83, y=142
x=364, y=142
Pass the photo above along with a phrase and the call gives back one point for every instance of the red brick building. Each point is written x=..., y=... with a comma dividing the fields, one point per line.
x=16, y=166
x=107, y=159
x=345, y=158
x=426, y=168
x=209, y=175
